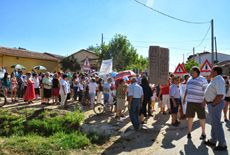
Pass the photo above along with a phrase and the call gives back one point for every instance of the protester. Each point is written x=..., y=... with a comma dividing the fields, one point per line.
x=136, y=97
x=214, y=97
x=3, y=70
x=13, y=87
x=106, y=78
x=159, y=95
x=153, y=98
x=30, y=93
x=42, y=90
x=47, y=84
x=99, y=91
x=75, y=81
x=86, y=86
x=208, y=78
x=55, y=88
x=82, y=86
x=36, y=85
x=5, y=83
x=140, y=78
x=112, y=97
x=186, y=77
x=25, y=83
x=194, y=95
x=93, y=87
x=165, y=97
x=227, y=97
x=147, y=97
x=137, y=76
x=121, y=90
x=20, y=84
x=174, y=95
x=63, y=90
x=106, y=89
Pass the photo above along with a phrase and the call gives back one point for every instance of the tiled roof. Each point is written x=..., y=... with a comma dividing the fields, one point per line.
x=92, y=52
x=54, y=55
x=25, y=53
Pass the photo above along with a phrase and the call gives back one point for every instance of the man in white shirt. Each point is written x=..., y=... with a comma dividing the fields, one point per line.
x=194, y=95
x=136, y=97
x=214, y=97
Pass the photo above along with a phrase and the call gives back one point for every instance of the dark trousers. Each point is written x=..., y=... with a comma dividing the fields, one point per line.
x=25, y=89
x=20, y=90
x=80, y=95
x=75, y=92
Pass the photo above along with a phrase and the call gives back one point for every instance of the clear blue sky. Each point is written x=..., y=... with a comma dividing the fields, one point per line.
x=64, y=27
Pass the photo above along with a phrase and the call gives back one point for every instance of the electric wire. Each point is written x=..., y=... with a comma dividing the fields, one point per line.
x=185, y=21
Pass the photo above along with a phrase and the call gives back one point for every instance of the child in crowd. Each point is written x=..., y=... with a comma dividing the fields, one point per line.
x=112, y=96
x=153, y=99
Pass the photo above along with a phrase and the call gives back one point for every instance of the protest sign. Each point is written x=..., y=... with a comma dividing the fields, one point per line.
x=158, y=65
x=106, y=67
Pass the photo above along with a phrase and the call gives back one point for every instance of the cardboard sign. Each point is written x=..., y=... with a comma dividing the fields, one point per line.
x=86, y=63
x=158, y=65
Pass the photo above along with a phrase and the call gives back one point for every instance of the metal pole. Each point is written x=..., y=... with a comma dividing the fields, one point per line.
x=183, y=58
x=193, y=52
x=216, y=49
x=101, y=39
x=212, y=44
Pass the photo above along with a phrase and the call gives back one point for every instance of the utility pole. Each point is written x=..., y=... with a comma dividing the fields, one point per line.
x=193, y=53
x=101, y=39
x=216, y=49
x=212, y=43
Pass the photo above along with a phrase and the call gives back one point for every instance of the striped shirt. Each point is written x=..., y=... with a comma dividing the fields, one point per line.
x=216, y=87
x=196, y=88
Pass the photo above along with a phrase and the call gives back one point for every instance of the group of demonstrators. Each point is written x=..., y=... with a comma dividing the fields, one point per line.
x=212, y=91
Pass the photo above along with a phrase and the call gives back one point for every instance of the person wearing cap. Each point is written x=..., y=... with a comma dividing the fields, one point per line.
x=93, y=87
x=214, y=97
x=47, y=84
x=136, y=97
x=20, y=81
x=174, y=95
x=106, y=78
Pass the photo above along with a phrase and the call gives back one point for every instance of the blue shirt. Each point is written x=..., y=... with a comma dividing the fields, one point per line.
x=107, y=86
x=139, y=80
x=135, y=90
x=174, y=91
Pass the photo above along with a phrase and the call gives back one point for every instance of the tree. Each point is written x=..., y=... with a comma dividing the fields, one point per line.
x=69, y=63
x=190, y=64
x=123, y=53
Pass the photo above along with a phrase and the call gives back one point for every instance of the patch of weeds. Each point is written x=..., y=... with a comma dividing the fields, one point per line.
x=98, y=139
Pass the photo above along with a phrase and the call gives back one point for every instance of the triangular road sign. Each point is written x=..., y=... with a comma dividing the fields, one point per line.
x=86, y=63
x=183, y=66
x=206, y=67
x=179, y=70
x=90, y=71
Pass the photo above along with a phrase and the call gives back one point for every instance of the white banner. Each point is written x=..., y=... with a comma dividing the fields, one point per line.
x=106, y=67
x=182, y=93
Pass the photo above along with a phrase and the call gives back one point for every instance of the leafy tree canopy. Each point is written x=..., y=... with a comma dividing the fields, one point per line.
x=190, y=64
x=69, y=63
x=124, y=55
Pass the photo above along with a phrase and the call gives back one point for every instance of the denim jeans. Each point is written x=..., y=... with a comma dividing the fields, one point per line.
x=75, y=92
x=134, y=112
x=217, y=132
x=92, y=96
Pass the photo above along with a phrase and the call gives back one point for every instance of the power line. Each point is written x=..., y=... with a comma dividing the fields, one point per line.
x=185, y=21
x=204, y=36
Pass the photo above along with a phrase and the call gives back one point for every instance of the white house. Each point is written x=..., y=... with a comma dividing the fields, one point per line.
x=201, y=57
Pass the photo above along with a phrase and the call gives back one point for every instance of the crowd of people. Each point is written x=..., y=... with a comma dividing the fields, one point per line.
x=212, y=91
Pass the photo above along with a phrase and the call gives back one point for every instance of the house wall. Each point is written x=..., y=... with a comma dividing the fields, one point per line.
x=81, y=55
x=221, y=57
x=7, y=61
